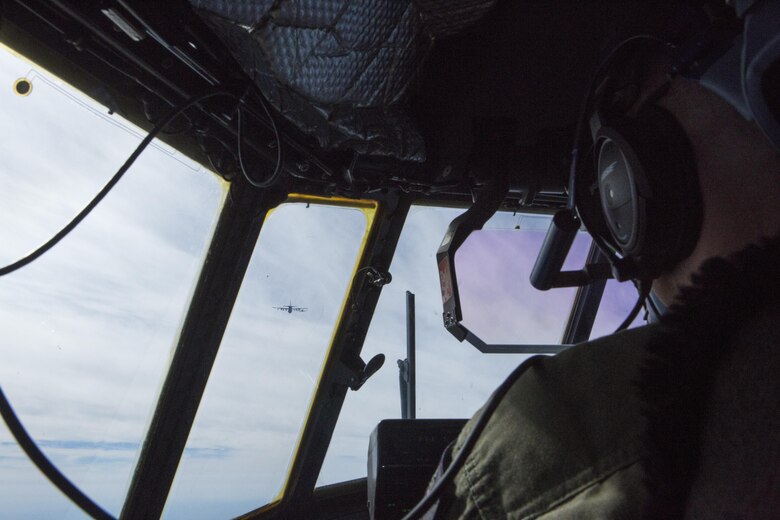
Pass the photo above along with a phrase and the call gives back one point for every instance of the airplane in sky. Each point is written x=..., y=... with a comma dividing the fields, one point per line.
x=290, y=308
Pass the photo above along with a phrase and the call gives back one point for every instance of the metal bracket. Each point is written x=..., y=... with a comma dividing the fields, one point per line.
x=354, y=379
x=377, y=278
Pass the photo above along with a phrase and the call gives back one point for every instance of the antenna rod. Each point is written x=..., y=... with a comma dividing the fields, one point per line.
x=406, y=367
x=411, y=402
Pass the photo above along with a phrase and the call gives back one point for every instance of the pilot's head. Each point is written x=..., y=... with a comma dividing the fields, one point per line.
x=738, y=171
x=678, y=151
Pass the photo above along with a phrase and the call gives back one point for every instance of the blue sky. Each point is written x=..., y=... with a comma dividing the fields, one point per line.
x=88, y=328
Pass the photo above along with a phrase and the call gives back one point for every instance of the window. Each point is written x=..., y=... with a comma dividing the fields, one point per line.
x=454, y=379
x=87, y=329
x=269, y=363
x=493, y=269
x=616, y=303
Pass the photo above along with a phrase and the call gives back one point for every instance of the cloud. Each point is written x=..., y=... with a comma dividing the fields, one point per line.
x=87, y=328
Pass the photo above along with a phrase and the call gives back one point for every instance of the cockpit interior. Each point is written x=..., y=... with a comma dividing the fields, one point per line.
x=184, y=170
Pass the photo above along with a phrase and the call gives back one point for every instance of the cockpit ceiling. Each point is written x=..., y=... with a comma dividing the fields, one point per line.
x=379, y=94
x=341, y=71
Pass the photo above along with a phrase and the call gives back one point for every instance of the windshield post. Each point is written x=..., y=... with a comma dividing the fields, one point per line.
x=201, y=333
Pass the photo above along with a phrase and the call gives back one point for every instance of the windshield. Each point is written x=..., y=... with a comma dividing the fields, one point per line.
x=269, y=363
x=87, y=329
x=454, y=379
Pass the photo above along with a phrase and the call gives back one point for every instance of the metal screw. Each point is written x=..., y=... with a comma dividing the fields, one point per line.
x=76, y=40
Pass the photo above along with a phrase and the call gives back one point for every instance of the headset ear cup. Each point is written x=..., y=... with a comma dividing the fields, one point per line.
x=662, y=170
x=622, y=189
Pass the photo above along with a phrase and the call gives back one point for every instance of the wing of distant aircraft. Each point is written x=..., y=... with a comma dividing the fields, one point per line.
x=290, y=308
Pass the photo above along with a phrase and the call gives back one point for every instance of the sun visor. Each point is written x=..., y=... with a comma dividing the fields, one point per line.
x=340, y=71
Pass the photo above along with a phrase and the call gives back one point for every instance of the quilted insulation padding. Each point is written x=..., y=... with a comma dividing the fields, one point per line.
x=339, y=70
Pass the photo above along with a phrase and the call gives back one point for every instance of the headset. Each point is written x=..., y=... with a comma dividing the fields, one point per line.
x=633, y=183
x=635, y=189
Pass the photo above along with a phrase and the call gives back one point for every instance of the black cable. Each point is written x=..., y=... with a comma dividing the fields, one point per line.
x=174, y=133
x=279, y=158
x=111, y=183
x=460, y=458
x=47, y=468
x=6, y=410
x=652, y=304
x=644, y=292
x=9, y=416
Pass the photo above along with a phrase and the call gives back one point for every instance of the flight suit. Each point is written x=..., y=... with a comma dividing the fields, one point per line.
x=670, y=420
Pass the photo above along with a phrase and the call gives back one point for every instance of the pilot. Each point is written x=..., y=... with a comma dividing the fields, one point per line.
x=676, y=419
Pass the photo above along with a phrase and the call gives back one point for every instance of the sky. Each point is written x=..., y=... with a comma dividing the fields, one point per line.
x=88, y=329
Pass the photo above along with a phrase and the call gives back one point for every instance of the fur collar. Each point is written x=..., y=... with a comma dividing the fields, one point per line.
x=694, y=337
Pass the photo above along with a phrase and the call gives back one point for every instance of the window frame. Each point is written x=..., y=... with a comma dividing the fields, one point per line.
x=193, y=358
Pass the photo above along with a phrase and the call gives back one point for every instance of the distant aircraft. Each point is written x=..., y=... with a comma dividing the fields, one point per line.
x=290, y=308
